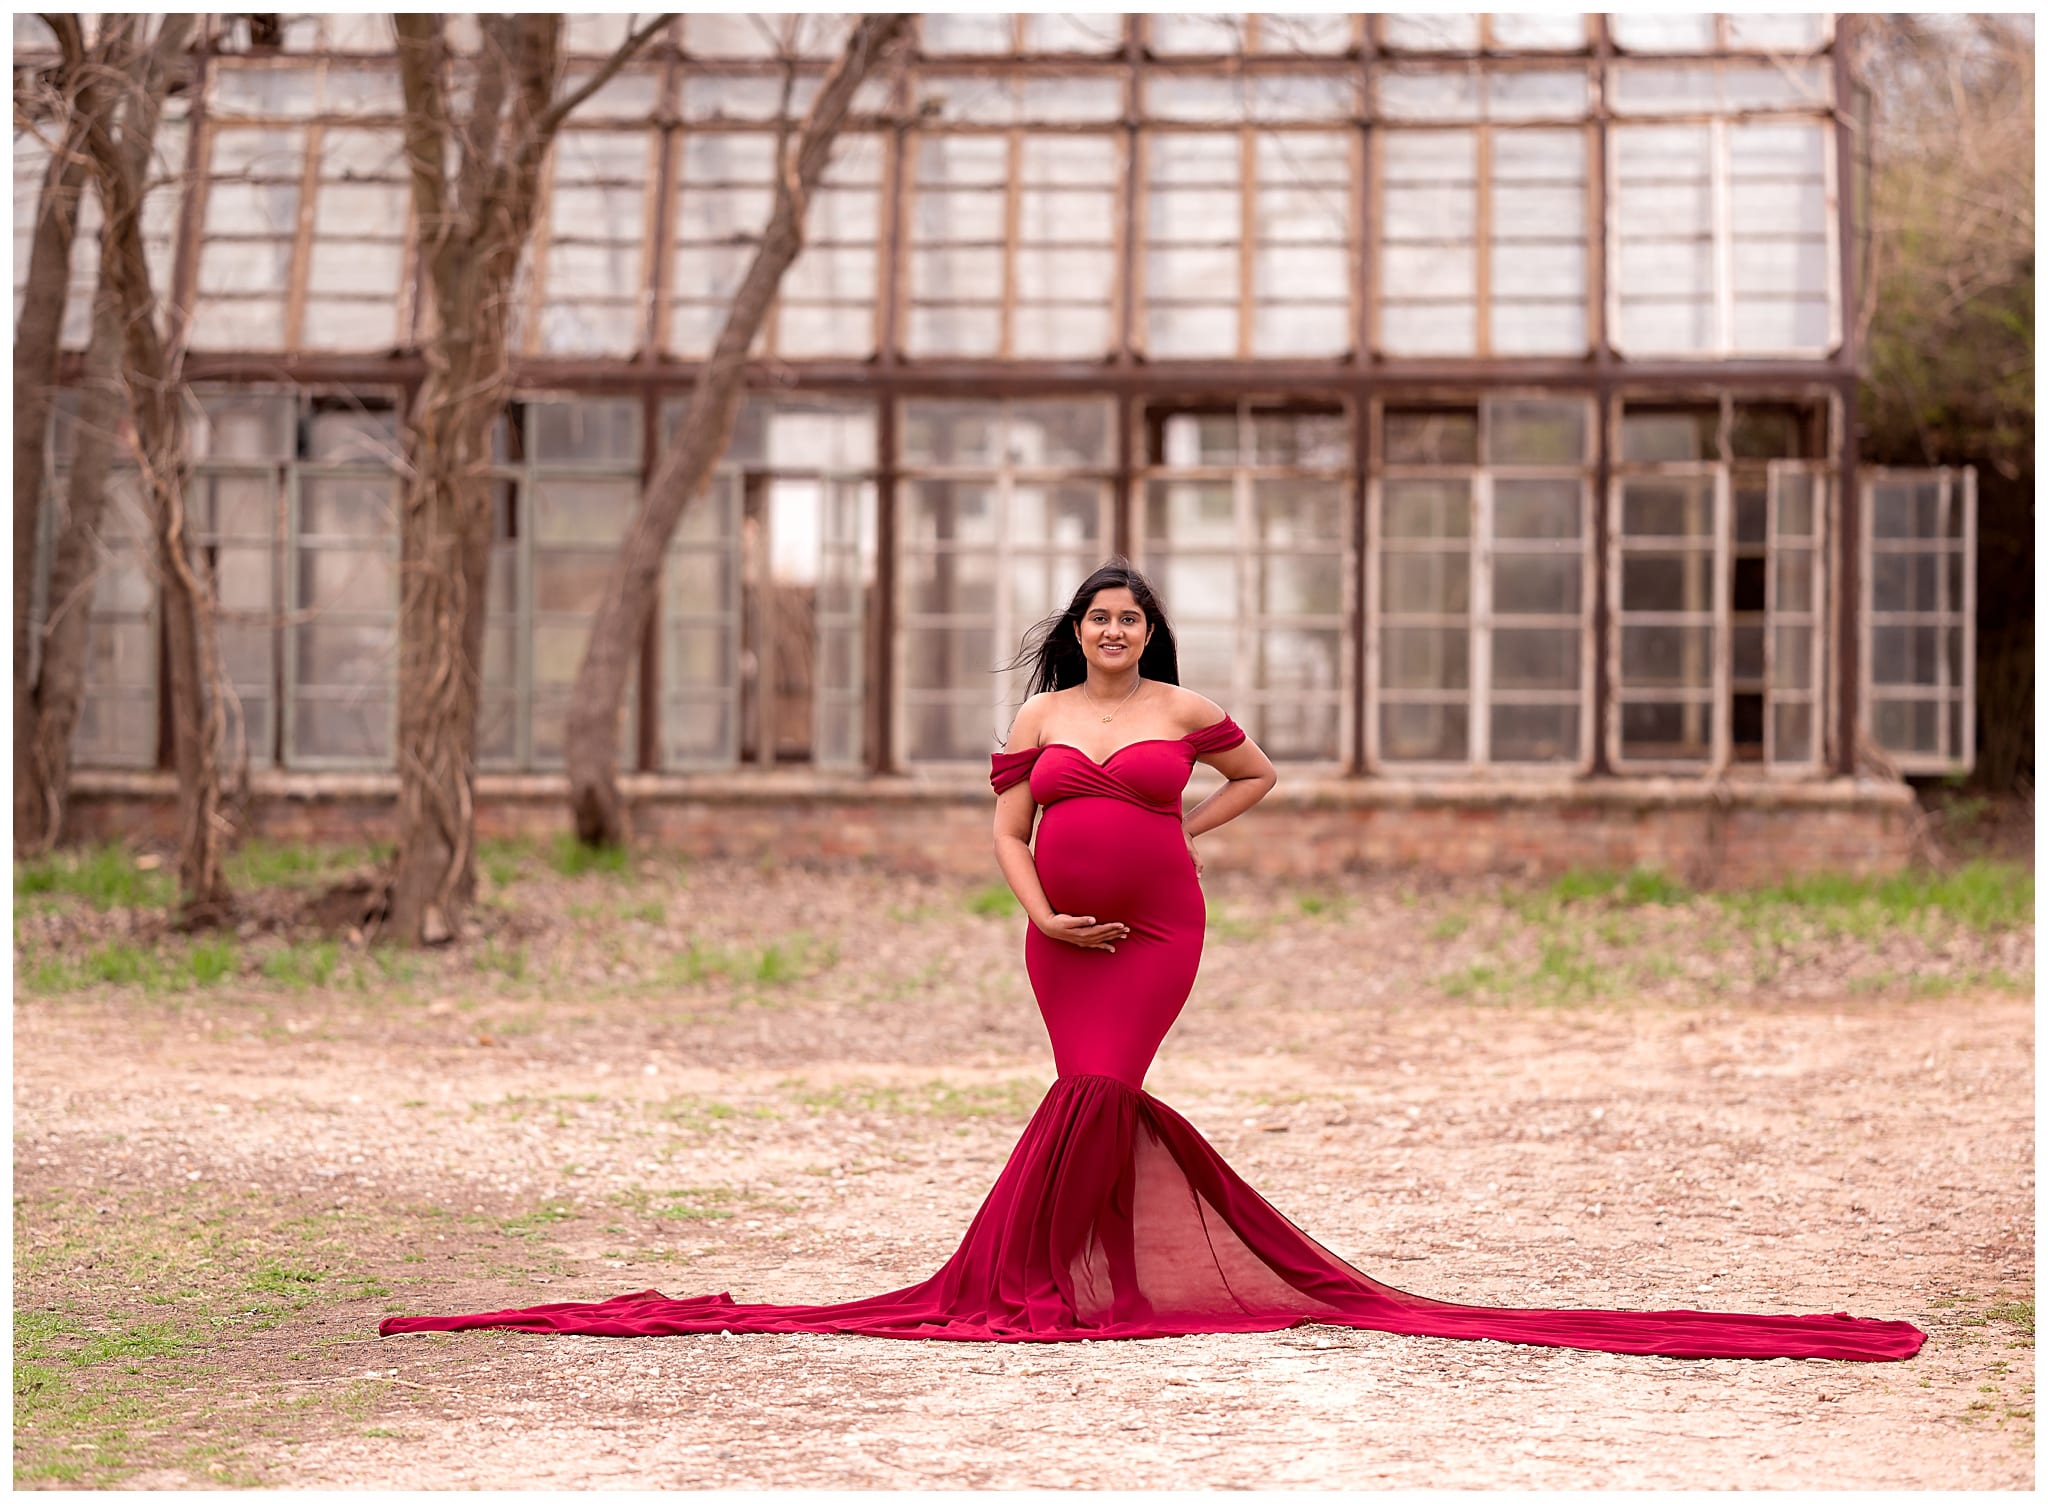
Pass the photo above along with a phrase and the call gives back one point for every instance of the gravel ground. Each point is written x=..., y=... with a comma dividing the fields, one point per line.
x=798, y=1086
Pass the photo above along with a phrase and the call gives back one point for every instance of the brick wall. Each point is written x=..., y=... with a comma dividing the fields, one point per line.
x=1732, y=834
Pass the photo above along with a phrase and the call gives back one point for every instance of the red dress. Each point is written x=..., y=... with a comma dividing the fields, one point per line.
x=1113, y=1217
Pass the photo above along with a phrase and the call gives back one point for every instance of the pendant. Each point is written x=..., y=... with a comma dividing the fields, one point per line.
x=1106, y=718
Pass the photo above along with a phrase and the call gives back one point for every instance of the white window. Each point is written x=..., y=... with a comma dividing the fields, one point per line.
x=1483, y=241
x=1248, y=239
x=1247, y=531
x=1717, y=578
x=358, y=268
x=826, y=305
x=1480, y=636
x=1919, y=617
x=592, y=298
x=1003, y=510
x=1723, y=237
x=1013, y=245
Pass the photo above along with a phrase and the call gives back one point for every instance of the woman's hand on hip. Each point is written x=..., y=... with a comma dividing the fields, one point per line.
x=1082, y=930
x=1193, y=855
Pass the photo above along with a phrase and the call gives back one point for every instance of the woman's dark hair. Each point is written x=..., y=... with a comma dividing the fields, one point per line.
x=1053, y=647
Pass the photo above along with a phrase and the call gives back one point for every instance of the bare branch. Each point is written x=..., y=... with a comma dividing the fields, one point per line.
x=604, y=73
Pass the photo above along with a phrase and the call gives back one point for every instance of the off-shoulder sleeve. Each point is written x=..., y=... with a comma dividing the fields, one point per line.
x=1219, y=737
x=1008, y=769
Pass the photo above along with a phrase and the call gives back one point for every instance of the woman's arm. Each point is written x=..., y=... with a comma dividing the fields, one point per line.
x=1251, y=778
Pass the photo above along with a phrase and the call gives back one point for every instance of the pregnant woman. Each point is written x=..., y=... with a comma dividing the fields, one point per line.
x=1113, y=1217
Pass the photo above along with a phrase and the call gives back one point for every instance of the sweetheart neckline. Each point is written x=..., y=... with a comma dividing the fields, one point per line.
x=1143, y=741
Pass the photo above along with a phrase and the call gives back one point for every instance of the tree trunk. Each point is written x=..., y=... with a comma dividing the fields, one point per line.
x=36, y=349
x=598, y=699
x=60, y=678
x=481, y=218
x=197, y=689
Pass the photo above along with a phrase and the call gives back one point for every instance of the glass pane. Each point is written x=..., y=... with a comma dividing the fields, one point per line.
x=1297, y=730
x=950, y=731
x=1302, y=585
x=347, y=579
x=698, y=582
x=1065, y=515
x=1299, y=513
x=1667, y=657
x=1534, y=733
x=1906, y=508
x=1435, y=584
x=1043, y=584
x=1907, y=725
x=948, y=511
x=1536, y=585
x=1792, y=658
x=696, y=731
x=587, y=432
x=357, y=729
x=1792, y=579
x=364, y=508
x=1427, y=508
x=1746, y=653
x=1905, y=655
x=1526, y=658
x=1422, y=437
x=1320, y=440
x=1899, y=582
x=1666, y=732
x=962, y=584
x=1675, y=507
x=1425, y=733
x=573, y=581
x=338, y=653
x=1676, y=581
x=696, y=656
x=1792, y=732
x=1425, y=658
x=583, y=510
x=951, y=433
x=1300, y=660
x=1661, y=435
x=1796, y=507
x=1537, y=509
x=1197, y=586
x=1182, y=511
x=949, y=657
x=1536, y=433
x=1190, y=439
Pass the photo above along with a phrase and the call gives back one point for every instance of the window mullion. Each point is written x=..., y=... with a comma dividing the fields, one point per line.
x=1480, y=745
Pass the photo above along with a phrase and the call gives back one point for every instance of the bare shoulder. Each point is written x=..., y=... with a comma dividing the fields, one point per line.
x=1029, y=725
x=1191, y=711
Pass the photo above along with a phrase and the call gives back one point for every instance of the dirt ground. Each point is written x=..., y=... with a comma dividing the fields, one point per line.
x=798, y=1086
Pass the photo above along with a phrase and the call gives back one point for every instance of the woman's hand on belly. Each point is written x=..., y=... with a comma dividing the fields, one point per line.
x=1082, y=930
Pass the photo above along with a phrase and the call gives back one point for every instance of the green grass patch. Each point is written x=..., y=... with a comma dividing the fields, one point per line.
x=792, y=958
x=1323, y=905
x=995, y=901
x=170, y=967
x=536, y=1222
x=105, y=876
x=273, y=864
x=702, y=1203
x=572, y=858
x=303, y=965
x=501, y=860
x=1985, y=897
x=2016, y=1313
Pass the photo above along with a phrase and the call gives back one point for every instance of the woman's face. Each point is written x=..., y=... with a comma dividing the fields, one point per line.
x=1113, y=630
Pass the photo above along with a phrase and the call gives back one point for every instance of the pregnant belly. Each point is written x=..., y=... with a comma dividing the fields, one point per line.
x=1116, y=861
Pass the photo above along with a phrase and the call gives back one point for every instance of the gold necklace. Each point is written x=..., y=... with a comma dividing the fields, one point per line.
x=1120, y=704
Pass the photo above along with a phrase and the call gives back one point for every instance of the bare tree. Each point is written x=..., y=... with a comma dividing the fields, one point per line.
x=77, y=91
x=476, y=222
x=42, y=770
x=197, y=689
x=598, y=699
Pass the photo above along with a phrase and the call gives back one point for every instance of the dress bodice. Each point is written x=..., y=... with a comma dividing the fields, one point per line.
x=1150, y=773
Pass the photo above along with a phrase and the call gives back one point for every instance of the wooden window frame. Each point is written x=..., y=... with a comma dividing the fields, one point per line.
x=1958, y=488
